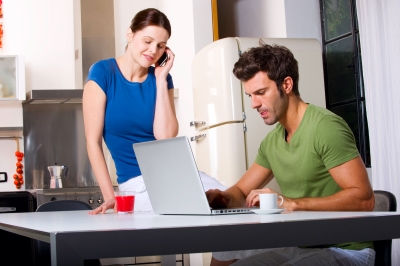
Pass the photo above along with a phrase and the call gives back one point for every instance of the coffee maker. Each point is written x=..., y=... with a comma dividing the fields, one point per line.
x=57, y=172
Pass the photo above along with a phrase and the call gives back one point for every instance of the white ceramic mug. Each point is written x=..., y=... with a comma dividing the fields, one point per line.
x=268, y=201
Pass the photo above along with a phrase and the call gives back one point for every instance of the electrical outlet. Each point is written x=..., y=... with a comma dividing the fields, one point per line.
x=3, y=177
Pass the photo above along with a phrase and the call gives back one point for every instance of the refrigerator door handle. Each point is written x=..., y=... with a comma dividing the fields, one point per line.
x=196, y=123
x=196, y=138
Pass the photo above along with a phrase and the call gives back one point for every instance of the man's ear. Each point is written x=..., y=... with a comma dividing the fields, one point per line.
x=287, y=85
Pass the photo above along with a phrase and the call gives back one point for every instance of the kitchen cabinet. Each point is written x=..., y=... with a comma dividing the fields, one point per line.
x=16, y=249
x=12, y=78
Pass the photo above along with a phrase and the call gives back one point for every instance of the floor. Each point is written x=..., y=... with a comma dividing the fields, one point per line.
x=203, y=259
x=207, y=259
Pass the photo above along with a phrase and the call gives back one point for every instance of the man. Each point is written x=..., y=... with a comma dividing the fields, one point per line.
x=311, y=153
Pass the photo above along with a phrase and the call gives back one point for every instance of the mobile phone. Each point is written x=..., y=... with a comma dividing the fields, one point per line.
x=163, y=59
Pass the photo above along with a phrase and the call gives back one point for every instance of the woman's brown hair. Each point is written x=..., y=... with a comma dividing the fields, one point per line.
x=150, y=17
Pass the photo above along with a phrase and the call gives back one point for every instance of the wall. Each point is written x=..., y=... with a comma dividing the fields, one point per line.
x=269, y=18
x=303, y=19
x=42, y=31
x=77, y=44
x=98, y=36
x=251, y=18
x=124, y=11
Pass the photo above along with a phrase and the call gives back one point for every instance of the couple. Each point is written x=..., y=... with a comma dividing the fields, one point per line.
x=311, y=152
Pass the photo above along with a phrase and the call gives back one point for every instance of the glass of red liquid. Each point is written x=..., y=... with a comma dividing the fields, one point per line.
x=125, y=201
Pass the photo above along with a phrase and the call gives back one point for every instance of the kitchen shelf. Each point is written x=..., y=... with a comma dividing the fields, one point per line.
x=11, y=132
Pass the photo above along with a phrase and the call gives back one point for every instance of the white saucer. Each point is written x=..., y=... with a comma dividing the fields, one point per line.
x=270, y=211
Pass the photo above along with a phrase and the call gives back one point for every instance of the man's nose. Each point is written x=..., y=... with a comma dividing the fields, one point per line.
x=255, y=103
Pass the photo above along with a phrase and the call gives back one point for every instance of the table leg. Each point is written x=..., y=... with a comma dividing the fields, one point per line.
x=62, y=254
x=168, y=260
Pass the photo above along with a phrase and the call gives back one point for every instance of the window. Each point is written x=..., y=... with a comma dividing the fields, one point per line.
x=344, y=88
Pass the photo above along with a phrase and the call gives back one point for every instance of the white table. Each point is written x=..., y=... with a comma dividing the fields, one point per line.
x=76, y=236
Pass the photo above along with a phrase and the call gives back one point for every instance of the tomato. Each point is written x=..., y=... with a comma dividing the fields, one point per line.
x=21, y=181
x=17, y=153
x=21, y=154
x=18, y=186
x=19, y=158
x=15, y=176
x=19, y=164
x=20, y=177
x=16, y=182
x=19, y=171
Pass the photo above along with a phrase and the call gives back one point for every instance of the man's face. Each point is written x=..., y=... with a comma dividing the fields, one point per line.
x=265, y=98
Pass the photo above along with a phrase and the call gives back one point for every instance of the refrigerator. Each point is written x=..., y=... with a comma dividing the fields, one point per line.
x=228, y=131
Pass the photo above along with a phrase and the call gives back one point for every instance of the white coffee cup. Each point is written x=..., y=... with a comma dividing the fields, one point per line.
x=269, y=201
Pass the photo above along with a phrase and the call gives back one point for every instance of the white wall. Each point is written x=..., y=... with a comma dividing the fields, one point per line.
x=202, y=24
x=124, y=11
x=252, y=18
x=77, y=44
x=303, y=19
x=42, y=30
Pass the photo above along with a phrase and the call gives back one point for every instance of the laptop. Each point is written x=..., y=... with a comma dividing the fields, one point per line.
x=172, y=179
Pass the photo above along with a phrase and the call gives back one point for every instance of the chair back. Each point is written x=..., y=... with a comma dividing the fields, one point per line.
x=42, y=248
x=63, y=205
x=384, y=201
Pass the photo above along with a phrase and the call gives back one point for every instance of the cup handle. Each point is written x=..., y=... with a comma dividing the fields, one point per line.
x=280, y=197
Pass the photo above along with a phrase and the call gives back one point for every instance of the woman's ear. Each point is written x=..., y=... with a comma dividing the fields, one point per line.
x=129, y=35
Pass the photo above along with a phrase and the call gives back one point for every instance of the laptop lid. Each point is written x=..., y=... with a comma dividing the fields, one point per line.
x=172, y=179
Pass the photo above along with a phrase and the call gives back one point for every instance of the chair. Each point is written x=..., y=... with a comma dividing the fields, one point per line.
x=384, y=201
x=42, y=256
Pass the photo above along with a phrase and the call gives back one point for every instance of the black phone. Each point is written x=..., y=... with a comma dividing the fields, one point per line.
x=163, y=59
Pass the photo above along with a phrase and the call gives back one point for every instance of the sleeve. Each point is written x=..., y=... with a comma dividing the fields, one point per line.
x=334, y=141
x=170, y=82
x=97, y=73
x=262, y=158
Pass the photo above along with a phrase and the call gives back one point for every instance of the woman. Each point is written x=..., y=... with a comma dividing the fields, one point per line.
x=126, y=100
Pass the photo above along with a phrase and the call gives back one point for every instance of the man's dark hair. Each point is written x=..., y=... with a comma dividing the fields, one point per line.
x=275, y=60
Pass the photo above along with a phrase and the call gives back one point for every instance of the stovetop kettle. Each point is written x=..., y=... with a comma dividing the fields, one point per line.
x=57, y=172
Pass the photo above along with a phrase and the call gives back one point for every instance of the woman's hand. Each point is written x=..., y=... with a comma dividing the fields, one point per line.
x=162, y=71
x=108, y=204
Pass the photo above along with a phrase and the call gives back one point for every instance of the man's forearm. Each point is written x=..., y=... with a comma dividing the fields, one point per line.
x=236, y=197
x=351, y=199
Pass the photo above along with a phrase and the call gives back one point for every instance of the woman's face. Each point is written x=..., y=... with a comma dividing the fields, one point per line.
x=147, y=45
